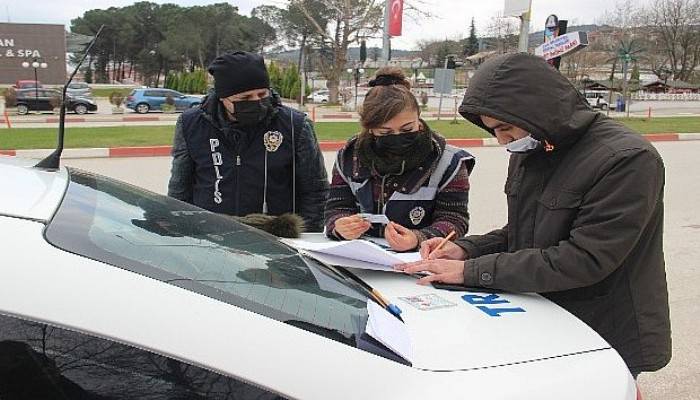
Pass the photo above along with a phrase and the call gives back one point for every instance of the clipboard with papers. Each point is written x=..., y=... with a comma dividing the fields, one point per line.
x=385, y=333
x=361, y=254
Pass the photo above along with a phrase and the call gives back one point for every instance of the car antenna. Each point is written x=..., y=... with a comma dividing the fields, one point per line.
x=54, y=159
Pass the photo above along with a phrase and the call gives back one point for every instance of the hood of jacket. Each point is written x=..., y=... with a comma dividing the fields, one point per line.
x=525, y=91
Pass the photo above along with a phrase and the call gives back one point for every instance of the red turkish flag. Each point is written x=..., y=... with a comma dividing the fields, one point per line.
x=395, y=17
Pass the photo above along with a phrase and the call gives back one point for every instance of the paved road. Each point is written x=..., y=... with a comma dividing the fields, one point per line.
x=681, y=379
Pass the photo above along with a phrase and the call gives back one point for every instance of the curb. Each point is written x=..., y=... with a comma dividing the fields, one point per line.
x=164, y=151
x=101, y=118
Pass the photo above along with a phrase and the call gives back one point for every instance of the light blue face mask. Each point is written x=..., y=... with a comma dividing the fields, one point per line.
x=524, y=145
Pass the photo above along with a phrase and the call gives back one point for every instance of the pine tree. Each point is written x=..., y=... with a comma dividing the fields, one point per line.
x=275, y=77
x=471, y=46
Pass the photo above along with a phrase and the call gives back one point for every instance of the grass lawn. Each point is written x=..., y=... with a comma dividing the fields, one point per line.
x=44, y=138
x=663, y=125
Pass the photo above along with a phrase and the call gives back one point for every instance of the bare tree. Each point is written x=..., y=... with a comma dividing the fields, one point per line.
x=433, y=52
x=348, y=21
x=674, y=27
x=503, y=33
x=583, y=64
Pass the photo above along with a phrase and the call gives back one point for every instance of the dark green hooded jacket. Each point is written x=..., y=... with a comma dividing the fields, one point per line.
x=585, y=219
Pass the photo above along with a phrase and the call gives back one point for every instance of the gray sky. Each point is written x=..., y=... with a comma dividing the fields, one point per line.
x=452, y=17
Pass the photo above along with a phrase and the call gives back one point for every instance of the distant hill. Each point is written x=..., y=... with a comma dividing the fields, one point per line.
x=353, y=54
x=536, y=39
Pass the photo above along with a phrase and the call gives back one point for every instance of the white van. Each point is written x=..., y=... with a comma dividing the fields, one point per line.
x=598, y=99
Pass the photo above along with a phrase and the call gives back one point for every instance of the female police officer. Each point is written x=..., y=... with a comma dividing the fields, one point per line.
x=399, y=167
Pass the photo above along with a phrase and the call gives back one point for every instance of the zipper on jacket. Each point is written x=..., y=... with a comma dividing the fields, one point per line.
x=238, y=185
x=382, y=200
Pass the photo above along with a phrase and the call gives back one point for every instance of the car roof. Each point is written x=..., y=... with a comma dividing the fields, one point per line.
x=34, y=89
x=30, y=192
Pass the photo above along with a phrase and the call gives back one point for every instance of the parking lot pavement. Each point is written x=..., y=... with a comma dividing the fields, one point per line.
x=678, y=381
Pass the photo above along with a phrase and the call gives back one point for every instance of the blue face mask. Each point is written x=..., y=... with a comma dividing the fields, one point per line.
x=524, y=145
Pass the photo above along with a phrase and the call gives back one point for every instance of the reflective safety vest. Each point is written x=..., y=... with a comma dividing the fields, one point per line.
x=411, y=210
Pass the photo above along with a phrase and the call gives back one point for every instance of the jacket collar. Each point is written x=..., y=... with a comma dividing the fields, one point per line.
x=408, y=182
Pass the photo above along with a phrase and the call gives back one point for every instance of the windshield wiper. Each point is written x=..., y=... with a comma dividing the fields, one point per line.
x=360, y=285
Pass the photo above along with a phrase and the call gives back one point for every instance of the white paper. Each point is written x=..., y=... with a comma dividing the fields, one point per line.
x=389, y=330
x=359, y=250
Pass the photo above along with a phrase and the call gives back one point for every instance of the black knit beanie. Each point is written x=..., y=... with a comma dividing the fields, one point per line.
x=238, y=72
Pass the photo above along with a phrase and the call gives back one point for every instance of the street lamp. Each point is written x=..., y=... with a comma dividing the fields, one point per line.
x=356, y=72
x=36, y=65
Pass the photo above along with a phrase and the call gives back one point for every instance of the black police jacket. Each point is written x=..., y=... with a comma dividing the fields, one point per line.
x=276, y=168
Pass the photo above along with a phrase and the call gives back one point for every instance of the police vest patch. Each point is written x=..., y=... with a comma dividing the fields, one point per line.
x=273, y=140
x=416, y=215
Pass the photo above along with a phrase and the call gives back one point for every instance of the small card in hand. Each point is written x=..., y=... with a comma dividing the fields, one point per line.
x=375, y=218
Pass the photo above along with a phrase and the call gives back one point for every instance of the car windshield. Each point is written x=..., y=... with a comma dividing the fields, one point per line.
x=207, y=253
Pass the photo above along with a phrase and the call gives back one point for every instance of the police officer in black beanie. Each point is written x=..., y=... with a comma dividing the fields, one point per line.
x=242, y=152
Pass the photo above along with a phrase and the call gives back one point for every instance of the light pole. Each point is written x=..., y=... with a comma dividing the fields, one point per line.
x=36, y=65
x=356, y=72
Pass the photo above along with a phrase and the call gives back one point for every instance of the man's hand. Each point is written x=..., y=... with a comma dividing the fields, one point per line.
x=446, y=271
x=350, y=228
x=449, y=251
x=400, y=238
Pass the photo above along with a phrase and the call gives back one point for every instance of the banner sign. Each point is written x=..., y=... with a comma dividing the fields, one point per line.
x=395, y=17
x=562, y=45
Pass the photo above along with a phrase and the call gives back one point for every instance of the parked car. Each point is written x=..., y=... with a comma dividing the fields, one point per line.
x=81, y=89
x=27, y=101
x=147, y=99
x=26, y=84
x=319, y=96
x=113, y=292
x=598, y=99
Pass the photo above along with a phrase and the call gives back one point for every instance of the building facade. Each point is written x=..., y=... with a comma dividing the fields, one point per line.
x=44, y=43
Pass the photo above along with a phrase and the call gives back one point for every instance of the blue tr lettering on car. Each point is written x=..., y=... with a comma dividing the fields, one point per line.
x=483, y=303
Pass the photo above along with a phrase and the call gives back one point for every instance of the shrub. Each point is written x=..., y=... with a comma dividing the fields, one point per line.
x=424, y=99
x=55, y=101
x=116, y=99
x=10, y=97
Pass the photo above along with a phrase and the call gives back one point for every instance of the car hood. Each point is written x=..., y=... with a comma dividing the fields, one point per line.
x=464, y=330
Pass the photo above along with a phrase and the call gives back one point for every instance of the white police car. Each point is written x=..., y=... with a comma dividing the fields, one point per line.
x=108, y=291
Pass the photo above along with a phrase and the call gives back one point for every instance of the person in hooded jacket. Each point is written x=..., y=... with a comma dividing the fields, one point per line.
x=242, y=152
x=399, y=167
x=585, y=201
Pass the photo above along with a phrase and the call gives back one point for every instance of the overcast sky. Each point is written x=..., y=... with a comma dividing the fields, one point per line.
x=452, y=17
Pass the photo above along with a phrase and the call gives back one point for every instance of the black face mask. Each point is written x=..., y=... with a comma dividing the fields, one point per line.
x=397, y=145
x=252, y=112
